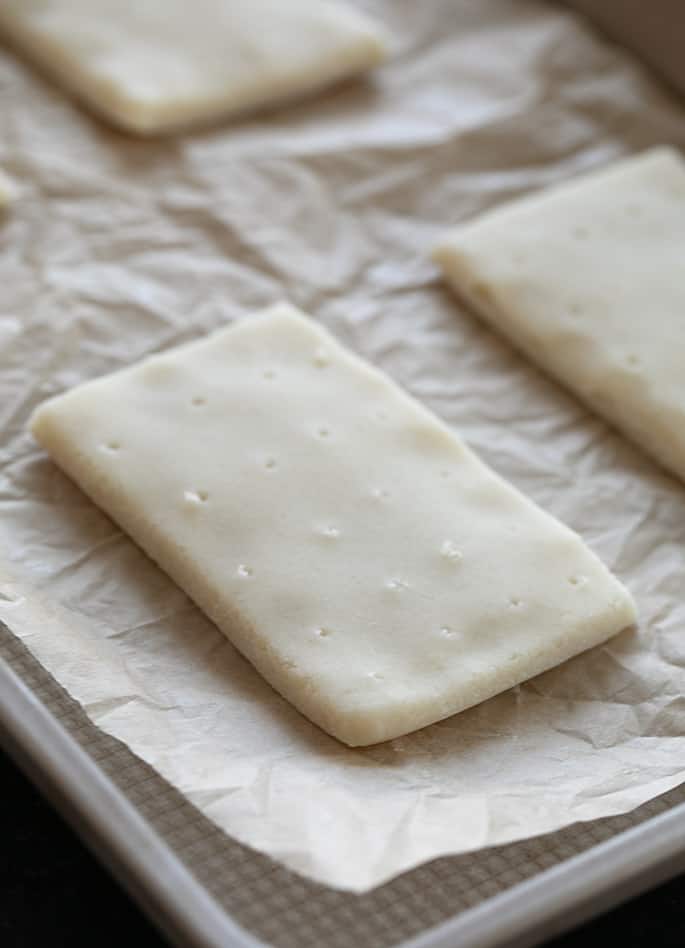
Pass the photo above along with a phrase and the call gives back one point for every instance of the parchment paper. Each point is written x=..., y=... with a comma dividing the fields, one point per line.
x=119, y=248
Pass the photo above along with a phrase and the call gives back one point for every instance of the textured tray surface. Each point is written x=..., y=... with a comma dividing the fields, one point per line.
x=283, y=909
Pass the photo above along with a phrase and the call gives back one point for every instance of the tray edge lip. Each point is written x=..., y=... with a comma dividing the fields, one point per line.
x=152, y=874
x=584, y=884
x=591, y=882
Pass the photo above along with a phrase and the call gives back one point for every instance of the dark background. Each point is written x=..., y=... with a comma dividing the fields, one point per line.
x=53, y=893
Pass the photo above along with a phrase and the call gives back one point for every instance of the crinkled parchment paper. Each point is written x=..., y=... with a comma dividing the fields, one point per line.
x=119, y=248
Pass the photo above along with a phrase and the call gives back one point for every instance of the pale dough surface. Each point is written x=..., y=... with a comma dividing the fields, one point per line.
x=376, y=572
x=155, y=65
x=588, y=279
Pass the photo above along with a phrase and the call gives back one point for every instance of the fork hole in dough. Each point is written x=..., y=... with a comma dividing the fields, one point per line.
x=376, y=676
x=323, y=432
x=580, y=233
x=396, y=585
x=244, y=570
x=633, y=361
x=270, y=464
x=321, y=358
x=451, y=552
x=331, y=533
x=199, y=400
x=575, y=309
x=112, y=446
x=322, y=632
x=196, y=496
x=269, y=374
x=515, y=602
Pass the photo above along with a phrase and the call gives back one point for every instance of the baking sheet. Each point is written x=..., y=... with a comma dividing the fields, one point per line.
x=118, y=249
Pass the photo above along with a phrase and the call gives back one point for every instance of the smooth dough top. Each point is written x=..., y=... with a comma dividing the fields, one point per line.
x=588, y=279
x=376, y=572
x=160, y=64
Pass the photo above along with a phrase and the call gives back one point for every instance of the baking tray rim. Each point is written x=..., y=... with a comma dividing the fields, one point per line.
x=530, y=911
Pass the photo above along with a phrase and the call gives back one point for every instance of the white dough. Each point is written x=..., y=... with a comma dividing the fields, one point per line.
x=153, y=65
x=588, y=279
x=377, y=574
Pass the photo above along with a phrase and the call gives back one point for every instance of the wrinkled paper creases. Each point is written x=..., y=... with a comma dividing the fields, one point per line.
x=118, y=248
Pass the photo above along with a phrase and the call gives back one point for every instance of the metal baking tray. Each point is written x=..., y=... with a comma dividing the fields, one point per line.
x=205, y=890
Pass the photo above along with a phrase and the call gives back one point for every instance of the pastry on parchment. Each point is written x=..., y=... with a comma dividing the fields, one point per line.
x=588, y=280
x=347, y=542
x=150, y=66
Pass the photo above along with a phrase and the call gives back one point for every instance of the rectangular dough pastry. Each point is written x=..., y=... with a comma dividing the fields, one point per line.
x=588, y=279
x=159, y=64
x=377, y=574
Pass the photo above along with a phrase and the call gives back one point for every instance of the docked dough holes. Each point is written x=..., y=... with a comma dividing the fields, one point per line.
x=375, y=612
x=598, y=306
x=155, y=66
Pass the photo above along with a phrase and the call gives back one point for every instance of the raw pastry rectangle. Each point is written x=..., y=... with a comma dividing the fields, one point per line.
x=160, y=64
x=377, y=574
x=588, y=279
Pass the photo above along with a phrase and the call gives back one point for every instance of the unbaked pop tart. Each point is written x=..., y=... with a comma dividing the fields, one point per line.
x=345, y=540
x=152, y=66
x=588, y=280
